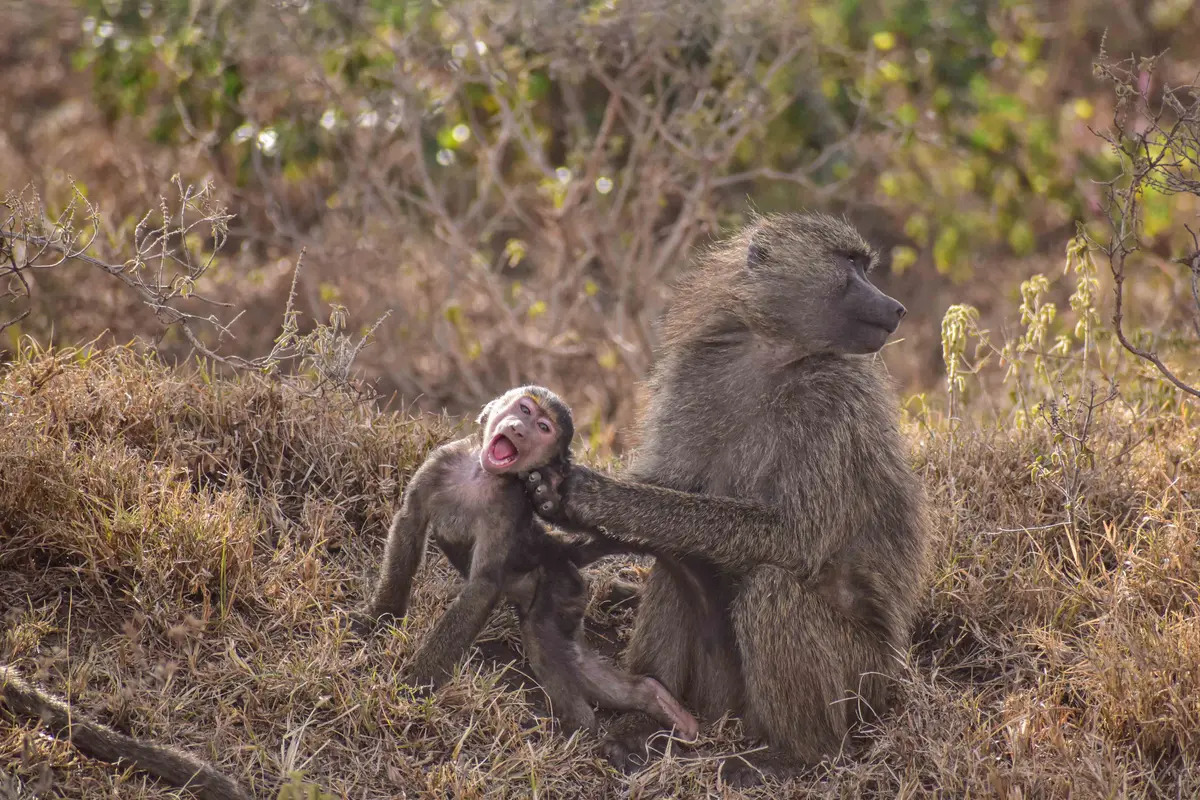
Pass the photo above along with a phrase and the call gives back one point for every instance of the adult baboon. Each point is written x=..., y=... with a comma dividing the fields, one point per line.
x=774, y=488
x=468, y=499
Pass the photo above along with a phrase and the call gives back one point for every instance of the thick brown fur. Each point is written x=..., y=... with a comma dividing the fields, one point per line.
x=774, y=487
x=485, y=525
x=102, y=742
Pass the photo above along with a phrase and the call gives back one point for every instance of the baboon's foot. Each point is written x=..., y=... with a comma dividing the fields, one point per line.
x=621, y=593
x=629, y=754
x=362, y=623
x=579, y=718
x=746, y=772
x=627, y=745
x=365, y=622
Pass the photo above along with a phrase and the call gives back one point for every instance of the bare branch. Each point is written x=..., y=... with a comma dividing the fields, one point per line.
x=1157, y=143
x=163, y=272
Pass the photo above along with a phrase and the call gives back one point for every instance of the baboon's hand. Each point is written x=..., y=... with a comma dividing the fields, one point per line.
x=546, y=488
x=362, y=622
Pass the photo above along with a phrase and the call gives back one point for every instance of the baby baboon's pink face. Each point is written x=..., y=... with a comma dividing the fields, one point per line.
x=518, y=435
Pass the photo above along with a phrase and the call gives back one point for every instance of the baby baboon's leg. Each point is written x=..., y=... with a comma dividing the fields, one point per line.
x=612, y=687
x=555, y=661
x=550, y=601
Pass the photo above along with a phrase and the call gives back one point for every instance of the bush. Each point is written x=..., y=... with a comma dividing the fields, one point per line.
x=520, y=183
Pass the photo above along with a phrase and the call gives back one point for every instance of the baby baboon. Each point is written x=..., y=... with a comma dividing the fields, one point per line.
x=100, y=741
x=775, y=490
x=467, y=497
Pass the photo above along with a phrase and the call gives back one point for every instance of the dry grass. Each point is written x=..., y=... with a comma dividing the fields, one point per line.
x=176, y=553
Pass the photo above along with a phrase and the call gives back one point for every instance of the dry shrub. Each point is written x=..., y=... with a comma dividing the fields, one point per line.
x=1052, y=662
x=120, y=462
x=499, y=254
x=159, y=517
x=176, y=551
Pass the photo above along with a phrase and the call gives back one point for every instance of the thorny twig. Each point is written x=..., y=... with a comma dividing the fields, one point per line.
x=1159, y=147
x=1192, y=262
x=164, y=272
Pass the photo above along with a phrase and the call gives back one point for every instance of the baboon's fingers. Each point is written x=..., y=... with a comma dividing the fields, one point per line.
x=540, y=486
x=742, y=772
x=361, y=622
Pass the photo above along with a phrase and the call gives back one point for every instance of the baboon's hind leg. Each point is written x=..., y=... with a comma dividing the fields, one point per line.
x=554, y=658
x=806, y=686
x=614, y=688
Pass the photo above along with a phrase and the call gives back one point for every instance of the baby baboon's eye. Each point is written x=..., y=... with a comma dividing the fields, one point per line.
x=543, y=426
x=525, y=409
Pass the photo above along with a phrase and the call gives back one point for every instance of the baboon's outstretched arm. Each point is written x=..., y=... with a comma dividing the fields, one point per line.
x=402, y=556
x=466, y=616
x=405, y=550
x=455, y=631
x=732, y=533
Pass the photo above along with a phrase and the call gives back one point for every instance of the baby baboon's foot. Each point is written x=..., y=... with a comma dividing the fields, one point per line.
x=621, y=593
x=671, y=712
x=363, y=622
x=740, y=772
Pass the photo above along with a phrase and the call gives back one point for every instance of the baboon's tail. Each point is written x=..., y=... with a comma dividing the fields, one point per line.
x=102, y=742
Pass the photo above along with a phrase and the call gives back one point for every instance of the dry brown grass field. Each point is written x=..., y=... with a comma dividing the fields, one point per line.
x=182, y=537
x=180, y=552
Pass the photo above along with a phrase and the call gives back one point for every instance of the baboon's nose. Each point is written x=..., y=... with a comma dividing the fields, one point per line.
x=900, y=311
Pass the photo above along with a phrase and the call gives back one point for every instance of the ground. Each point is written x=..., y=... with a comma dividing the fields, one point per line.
x=178, y=551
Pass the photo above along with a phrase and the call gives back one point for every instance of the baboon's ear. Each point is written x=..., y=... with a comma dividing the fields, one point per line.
x=485, y=413
x=756, y=253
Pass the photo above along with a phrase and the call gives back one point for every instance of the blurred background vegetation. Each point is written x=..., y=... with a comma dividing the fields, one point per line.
x=518, y=181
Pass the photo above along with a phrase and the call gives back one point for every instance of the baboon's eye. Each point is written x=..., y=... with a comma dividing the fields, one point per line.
x=543, y=426
x=525, y=409
x=858, y=262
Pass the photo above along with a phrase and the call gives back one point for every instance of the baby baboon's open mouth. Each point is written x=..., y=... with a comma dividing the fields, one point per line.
x=502, y=452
